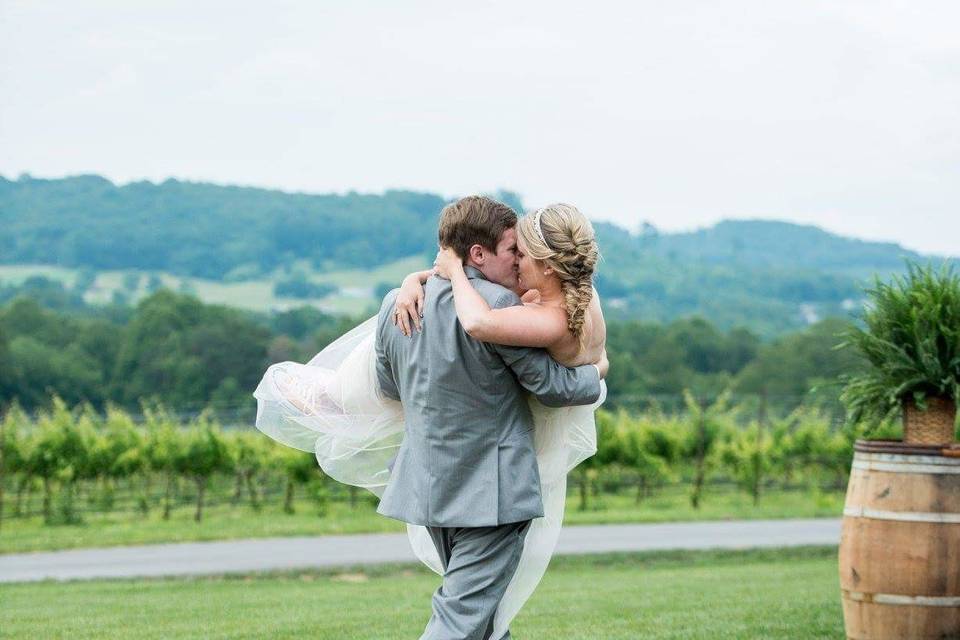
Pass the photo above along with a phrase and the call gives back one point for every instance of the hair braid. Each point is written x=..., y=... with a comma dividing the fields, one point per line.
x=569, y=247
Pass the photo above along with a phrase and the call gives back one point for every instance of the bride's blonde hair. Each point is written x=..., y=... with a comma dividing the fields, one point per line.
x=563, y=239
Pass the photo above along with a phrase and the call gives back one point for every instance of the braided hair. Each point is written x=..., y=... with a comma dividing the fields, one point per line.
x=563, y=238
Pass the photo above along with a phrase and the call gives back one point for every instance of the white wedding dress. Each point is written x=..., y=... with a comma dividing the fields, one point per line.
x=355, y=431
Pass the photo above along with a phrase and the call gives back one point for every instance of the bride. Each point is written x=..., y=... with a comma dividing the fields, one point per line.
x=332, y=405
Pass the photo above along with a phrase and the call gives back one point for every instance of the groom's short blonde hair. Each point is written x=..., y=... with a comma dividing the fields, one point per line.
x=474, y=220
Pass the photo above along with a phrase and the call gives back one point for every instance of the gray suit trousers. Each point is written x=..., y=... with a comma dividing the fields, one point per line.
x=478, y=564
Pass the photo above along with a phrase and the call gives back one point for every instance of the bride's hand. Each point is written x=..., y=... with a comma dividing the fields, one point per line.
x=603, y=365
x=447, y=261
x=408, y=306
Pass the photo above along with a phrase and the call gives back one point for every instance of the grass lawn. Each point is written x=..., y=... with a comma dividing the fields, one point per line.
x=225, y=522
x=715, y=595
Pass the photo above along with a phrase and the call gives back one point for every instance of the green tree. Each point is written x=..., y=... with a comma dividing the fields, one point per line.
x=164, y=448
x=608, y=451
x=791, y=367
x=297, y=467
x=651, y=447
x=815, y=446
x=299, y=322
x=131, y=281
x=299, y=286
x=180, y=350
x=249, y=456
x=748, y=455
x=7, y=379
x=12, y=450
x=707, y=424
x=205, y=453
x=121, y=454
x=59, y=453
x=154, y=282
x=85, y=279
x=82, y=466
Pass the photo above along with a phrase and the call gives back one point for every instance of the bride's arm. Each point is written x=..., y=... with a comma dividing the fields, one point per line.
x=519, y=326
x=408, y=307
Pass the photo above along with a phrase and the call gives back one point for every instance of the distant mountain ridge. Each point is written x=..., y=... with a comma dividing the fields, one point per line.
x=768, y=242
x=770, y=275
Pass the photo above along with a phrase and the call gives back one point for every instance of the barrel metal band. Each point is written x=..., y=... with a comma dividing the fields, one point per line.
x=894, y=598
x=911, y=458
x=899, y=467
x=903, y=516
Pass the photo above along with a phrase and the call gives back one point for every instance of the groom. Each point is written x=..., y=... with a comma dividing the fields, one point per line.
x=467, y=469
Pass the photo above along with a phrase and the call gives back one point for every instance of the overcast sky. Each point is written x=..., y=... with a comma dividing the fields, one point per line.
x=841, y=114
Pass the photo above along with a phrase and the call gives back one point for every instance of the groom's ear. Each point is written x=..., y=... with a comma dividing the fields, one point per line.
x=476, y=253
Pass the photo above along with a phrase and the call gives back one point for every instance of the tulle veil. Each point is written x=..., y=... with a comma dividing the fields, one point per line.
x=355, y=432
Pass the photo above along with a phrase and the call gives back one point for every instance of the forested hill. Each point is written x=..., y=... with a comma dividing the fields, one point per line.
x=771, y=276
x=774, y=244
x=205, y=230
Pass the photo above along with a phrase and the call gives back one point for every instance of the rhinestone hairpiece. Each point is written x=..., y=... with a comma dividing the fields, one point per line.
x=538, y=228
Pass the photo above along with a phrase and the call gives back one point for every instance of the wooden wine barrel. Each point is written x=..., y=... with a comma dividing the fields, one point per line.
x=900, y=543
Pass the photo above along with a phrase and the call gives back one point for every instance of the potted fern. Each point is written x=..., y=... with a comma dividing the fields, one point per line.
x=911, y=344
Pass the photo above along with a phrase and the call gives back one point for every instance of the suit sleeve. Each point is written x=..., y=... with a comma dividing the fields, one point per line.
x=385, y=377
x=552, y=383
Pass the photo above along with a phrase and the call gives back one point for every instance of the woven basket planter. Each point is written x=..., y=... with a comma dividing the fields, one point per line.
x=933, y=426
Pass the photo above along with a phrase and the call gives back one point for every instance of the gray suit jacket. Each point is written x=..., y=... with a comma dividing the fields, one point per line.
x=467, y=458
